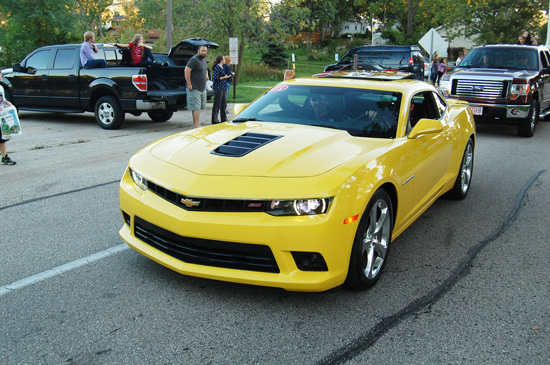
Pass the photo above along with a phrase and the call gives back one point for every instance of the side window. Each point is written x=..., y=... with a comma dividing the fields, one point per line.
x=440, y=105
x=39, y=60
x=112, y=56
x=426, y=104
x=416, y=111
x=545, y=58
x=64, y=59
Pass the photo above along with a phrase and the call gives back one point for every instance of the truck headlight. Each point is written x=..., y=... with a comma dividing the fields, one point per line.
x=518, y=90
x=445, y=87
x=298, y=207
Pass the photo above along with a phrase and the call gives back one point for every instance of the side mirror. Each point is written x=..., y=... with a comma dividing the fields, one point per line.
x=426, y=126
x=239, y=108
x=17, y=67
x=31, y=70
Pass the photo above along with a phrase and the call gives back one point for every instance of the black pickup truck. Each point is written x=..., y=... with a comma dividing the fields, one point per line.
x=51, y=79
x=503, y=84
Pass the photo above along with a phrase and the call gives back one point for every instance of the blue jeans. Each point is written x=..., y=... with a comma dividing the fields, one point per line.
x=96, y=64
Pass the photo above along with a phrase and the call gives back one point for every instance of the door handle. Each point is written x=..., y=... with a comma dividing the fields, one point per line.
x=72, y=77
x=44, y=77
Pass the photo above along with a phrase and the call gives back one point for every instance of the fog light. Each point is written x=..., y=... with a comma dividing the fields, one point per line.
x=127, y=219
x=309, y=261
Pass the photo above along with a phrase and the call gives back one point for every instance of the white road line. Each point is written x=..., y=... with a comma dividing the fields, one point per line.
x=61, y=269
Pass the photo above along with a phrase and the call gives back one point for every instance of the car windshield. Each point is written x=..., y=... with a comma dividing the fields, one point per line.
x=386, y=59
x=360, y=112
x=521, y=58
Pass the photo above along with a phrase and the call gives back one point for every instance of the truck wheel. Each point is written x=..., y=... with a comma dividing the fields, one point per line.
x=160, y=116
x=526, y=127
x=109, y=113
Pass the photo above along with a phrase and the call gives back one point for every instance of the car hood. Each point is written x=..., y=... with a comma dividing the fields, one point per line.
x=483, y=72
x=290, y=151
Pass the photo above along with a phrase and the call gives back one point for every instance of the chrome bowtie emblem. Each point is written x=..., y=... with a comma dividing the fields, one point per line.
x=190, y=203
x=477, y=88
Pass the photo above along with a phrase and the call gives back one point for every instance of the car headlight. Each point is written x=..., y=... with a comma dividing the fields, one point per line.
x=139, y=180
x=298, y=206
x=445, y=87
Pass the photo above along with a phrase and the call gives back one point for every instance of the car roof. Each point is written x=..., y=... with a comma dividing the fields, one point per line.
x=386, y=48
x=510, y=46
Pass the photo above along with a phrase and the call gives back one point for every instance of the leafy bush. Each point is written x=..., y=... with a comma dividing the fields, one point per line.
x=260, y=71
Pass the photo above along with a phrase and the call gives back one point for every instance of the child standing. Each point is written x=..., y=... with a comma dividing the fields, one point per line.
x=6, y=160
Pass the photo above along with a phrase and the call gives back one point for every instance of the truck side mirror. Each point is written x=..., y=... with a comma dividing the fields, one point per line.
x=17, y=67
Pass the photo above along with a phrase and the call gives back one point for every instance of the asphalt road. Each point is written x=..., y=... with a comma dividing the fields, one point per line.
x=467, y=283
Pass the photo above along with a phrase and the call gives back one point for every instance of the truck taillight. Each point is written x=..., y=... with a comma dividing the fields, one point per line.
x=411, y=61
x=140, y=82
x=518, y=90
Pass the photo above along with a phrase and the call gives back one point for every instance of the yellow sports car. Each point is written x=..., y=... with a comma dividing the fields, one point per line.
x=305, y=188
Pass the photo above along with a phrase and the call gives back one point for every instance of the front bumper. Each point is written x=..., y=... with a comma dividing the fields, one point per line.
x=282, y=236
x=501, y=111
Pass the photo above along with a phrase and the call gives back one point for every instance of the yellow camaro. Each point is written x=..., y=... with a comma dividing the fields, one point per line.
x=305, y=188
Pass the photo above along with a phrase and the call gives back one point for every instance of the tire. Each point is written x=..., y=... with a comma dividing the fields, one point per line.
x=9, y=96
x=160, y=116
x=371, y=245
x=464, y=177
x=109, y=113
x=526, y=127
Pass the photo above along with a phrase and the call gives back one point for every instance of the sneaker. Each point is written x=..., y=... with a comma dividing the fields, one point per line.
x=6, y=160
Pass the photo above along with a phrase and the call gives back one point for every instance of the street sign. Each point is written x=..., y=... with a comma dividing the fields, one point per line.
x=432, y=42
x=234, y=50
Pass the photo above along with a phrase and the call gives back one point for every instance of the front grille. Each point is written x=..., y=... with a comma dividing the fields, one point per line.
x=485, y=89
x=207, y=204
x=230, y=255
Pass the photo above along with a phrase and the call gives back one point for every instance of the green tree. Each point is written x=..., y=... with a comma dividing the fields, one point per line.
x=499, y=21
x=28, y=24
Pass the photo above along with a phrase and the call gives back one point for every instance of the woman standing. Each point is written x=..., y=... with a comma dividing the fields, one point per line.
x=433, y=71
x=220, y=91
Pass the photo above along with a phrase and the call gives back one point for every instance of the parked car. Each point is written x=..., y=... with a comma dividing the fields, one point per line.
x=396, y=58
x=51, y=79
x=504, y=83
x=306, y=188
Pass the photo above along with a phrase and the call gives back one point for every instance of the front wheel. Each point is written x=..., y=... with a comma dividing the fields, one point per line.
x=372, y=243
x=526, y=128
x=109, y=113
x=464, y=177
x=160, y=116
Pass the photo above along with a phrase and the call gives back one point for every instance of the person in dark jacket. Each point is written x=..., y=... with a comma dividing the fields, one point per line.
x=219, y=80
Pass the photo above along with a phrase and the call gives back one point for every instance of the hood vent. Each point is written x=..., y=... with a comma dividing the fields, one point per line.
x=244, y=144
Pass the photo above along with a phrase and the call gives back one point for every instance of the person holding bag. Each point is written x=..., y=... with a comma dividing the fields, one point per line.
x=6, y=160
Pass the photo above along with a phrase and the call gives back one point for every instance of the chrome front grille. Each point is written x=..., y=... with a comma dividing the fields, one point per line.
x=484, y=89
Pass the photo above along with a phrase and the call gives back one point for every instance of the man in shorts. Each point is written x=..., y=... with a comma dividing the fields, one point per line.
x=196, y=75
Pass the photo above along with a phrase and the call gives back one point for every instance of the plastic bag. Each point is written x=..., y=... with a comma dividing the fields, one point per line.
x=10, y=122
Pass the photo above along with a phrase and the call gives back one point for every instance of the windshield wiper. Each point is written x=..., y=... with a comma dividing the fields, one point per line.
x=241, y=120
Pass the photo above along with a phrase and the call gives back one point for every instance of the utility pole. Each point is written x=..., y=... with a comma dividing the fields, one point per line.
x=169, y=26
